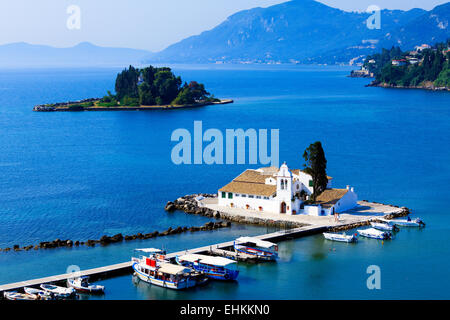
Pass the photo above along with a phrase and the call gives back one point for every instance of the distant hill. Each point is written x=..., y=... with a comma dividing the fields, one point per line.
x=84, y=54
x=306, y=31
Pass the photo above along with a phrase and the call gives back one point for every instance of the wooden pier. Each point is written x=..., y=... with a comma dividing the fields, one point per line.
x=125, y=267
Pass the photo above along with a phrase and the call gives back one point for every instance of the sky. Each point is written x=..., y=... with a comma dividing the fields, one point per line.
x=142, y=24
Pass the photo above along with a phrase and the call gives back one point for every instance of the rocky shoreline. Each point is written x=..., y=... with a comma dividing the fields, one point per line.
x=66, y=106
x=423, y=87
x=106, y=240
x=189, y=205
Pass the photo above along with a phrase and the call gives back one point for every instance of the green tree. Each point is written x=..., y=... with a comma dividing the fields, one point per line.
x=166, y=85
x=145, y=95
x=127, y=83
x=316, y=166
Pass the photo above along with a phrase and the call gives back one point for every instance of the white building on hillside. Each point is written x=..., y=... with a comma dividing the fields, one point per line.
x=283, y=191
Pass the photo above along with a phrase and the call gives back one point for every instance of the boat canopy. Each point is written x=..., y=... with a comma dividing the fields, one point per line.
x=173, y=269
x=216, y=261
x=256, y=241
x=192, y=257
x=149, y=250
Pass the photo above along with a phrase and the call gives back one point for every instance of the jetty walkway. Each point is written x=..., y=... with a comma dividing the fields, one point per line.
x=367, y=212
x=125, y=267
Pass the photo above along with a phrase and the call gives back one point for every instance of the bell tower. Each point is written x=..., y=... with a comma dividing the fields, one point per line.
x=284, y=189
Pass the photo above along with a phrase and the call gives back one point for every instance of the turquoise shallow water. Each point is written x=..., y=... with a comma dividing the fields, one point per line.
x=82, y=175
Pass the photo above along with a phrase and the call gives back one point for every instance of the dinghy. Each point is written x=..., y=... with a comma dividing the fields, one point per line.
x=375, y=234
x=81, y=284
x=13, y=295
x=59, y=292
x=340, y=237
x=384, y=226
x=43, y=295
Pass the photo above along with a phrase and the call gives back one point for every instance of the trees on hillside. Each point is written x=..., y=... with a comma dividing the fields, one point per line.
x=151, y=85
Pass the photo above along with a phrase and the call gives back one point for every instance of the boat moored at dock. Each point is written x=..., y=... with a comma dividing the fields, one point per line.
x=81, y=284
x=13, y=295
x=263, y=250
x=409, y=223
x=384, y=226
x=151, y=267
x=218, y=268
x=375, y=234
x=59, y=292
x=42, y=295
x=340, y=237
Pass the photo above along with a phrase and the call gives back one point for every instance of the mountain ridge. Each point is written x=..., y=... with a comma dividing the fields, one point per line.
x=300, y=31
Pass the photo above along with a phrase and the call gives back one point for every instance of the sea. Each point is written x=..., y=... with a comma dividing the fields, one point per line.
x=82, y=175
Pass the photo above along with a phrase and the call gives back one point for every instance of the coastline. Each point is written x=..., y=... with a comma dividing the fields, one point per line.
x=66, y=107
x=422, y=87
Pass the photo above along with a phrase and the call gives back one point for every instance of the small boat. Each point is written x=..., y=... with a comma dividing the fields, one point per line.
x=81, y=284
x=263, y=250
x=375, y=234
x=218, y=268
x=384, y=226
x=59, y=292
x=409, y=223
x=13, y=295
x=150, y=266
x=43, y=295
x=340, y=237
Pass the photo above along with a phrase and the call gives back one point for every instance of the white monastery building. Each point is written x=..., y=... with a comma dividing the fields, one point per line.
x=284, y=191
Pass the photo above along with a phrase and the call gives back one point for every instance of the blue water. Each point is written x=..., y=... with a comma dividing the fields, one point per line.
x=81, y=175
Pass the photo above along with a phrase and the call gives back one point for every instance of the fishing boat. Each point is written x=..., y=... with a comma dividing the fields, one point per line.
x=81, y=284
x=218, y=268
x=151, y=267
x=340, y=237
x=409, y=223
x=384, y=226
x=375, y=234
x=59, y=292
x=43, y=295
x=263, y=250
x=13, y=295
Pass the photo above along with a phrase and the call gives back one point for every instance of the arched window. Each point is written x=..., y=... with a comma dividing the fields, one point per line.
x=282, y=184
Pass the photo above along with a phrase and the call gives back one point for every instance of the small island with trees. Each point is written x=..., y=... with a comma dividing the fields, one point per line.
x=425, y=67
x=143, y=89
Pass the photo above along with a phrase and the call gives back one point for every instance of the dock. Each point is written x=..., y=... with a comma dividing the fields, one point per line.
x=125, y=267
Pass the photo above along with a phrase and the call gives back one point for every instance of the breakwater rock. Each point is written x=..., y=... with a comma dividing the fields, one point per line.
x=189, y=204
x=106, y=240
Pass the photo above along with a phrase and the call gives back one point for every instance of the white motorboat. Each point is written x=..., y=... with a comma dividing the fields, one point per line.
x=59, y=292
x=43, y=295
x=375, y=234
x=13, y=295
x=150, y=266
x=340, y=237
x=409, y=223
x=263, y=250
x=81, y=284
x=384, y=226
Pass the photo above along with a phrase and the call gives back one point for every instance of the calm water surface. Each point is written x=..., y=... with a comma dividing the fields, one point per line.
x=81, y=175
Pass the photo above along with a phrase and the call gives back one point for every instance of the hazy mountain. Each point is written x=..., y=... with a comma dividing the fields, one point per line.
x=430, y=27
x=305, y=31
x=83, y=54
